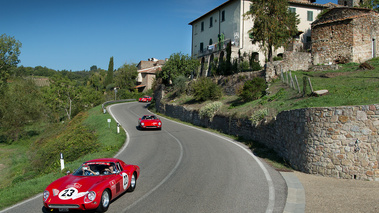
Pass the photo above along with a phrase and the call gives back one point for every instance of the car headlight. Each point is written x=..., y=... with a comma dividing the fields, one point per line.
x=46, y=195
x=159, y=123
x=142, y=124
x=90, y=196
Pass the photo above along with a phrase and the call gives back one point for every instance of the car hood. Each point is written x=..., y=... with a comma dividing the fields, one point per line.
x=81, y=183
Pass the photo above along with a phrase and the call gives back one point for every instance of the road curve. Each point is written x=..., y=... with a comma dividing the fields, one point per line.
x=186, y=169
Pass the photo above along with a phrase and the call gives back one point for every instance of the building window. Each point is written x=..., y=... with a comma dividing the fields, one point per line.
x=202, y=26
x=292, y=9
x=210, y=22
x=210, y=41
x=201, y=47
x=223, y=15
x=310, y=15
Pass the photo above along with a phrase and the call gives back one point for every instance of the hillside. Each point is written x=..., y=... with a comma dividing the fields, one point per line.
x=351, y=84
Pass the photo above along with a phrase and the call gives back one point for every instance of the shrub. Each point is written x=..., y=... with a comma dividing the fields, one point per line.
x=209, y=110
x=180, y=85
x=258, y=116
x=253, y=89
x=255, y=66
x=205, y=89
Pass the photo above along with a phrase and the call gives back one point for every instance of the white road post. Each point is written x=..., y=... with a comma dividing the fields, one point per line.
x=118, y=128
x=62, y=162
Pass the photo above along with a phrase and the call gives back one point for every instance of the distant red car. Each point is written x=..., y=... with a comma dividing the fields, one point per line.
x=149, y=122
x=91, y=187
x=145, y=99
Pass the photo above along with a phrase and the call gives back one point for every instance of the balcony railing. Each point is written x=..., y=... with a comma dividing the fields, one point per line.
x=214, y=48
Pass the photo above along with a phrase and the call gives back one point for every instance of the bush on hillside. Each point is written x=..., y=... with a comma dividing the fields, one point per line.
x=253, y=89
x=74, y=141
x=205, y=89
x=209, y=110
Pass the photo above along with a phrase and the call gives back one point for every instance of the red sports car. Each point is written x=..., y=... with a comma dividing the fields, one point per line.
x=149, y=122
x=145, y=99
x=92, y=186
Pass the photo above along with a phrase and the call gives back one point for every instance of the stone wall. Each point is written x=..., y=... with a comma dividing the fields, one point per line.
x=292, y=60
x=340, y=142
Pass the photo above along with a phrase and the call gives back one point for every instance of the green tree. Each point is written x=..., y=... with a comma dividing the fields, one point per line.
x=9, y=52
x=372, y=4
x=20, y=105
x=109, y=78
x=177, y=65
x=61, y=94
x=274, y=24
x=126, y=76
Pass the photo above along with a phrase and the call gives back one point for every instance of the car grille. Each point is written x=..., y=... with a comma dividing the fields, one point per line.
x=63, y=206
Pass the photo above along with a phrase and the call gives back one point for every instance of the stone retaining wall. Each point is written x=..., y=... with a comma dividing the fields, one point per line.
x=340, y=142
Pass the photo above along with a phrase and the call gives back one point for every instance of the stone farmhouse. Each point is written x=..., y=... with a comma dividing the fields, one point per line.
x=345, y=35
x=147, y=73
x=226, y=23
x=346, y=32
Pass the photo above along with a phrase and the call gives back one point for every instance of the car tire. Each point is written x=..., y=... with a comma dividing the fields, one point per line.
x=104, y=201
x=133, y=183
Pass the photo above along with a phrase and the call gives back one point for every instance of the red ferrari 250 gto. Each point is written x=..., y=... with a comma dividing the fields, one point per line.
x=145, y=99
x=92, y=186
x=149, y=122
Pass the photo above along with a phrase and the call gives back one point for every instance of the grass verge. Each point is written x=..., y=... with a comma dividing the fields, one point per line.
x=13, y=158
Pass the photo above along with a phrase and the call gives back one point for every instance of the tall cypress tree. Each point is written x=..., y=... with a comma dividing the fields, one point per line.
x=109, y=78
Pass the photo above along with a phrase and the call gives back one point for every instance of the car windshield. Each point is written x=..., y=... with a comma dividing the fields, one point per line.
x=96, y=168
x=148, y=117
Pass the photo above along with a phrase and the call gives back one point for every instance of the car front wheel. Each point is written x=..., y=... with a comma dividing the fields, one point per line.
x=104, y=202
x=133, y=183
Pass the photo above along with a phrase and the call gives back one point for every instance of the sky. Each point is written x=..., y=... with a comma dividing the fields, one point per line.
x=77, y=34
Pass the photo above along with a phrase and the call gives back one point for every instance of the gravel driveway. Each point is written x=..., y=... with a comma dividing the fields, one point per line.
x=326, y=194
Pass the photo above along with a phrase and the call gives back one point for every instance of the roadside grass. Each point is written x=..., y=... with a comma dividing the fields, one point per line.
x=16, y=160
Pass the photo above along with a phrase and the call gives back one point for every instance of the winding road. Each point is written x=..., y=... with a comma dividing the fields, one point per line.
x=186, y=169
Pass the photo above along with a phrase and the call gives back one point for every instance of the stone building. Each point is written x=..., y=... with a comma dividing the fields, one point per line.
x=226, y=23
x=147, y=72
x=345, y=34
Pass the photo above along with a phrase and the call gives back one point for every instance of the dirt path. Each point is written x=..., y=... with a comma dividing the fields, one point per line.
x=325, y=194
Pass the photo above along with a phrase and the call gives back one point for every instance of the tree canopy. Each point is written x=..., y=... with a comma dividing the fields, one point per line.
x=9, y=52
x=126, y=76
x=178, y=65
x=274, y=24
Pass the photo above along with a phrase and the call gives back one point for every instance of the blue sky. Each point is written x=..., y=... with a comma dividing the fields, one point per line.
x=76, y=34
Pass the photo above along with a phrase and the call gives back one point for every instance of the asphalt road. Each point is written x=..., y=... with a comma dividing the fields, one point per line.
x=186, y=169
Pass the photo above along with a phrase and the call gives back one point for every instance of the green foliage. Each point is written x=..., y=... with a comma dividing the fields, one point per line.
x=255, y=66
x=65, y=98
x=258, y=116
x=180, y=85
x=126, y=76
x=109, y=78
x=274, y=25
x=178, y=65
x=9, y=52
x=205, y=89
x=20, y=105
x=74, y=141
x=371, y=4
x=209, y=110
x=128, y=94
x=245, y=66
x=253, y=89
